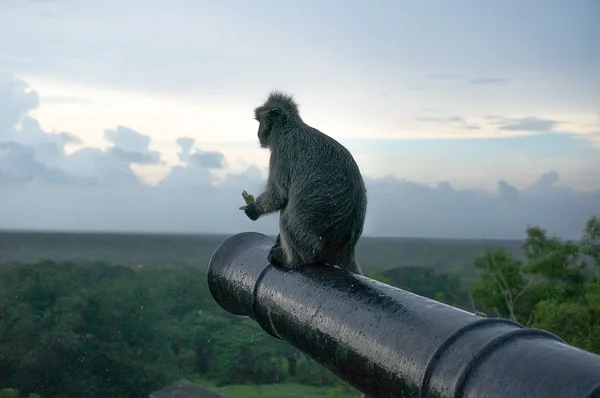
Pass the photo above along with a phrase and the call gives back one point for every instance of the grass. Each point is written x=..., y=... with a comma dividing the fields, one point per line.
x=280, y=390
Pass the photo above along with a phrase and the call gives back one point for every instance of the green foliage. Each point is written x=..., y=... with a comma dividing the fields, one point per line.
x=427, y=282
x=74, y=330
x=249, y=355
x=590, y=242
x=557, y=289
x=9, y=393
x=311, y=373
x=577, y=320
x=502, y=284
x=283, y=390
x=343, y=390
x=81, y=330
x=558, y=263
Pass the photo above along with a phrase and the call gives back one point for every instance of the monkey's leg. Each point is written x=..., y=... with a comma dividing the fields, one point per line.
x=281, y=255
x=277, y=241
x=277, y=257
x=276, y=254
x=302, y=245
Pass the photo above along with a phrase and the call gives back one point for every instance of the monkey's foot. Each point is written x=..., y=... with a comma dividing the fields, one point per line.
x=277, y=257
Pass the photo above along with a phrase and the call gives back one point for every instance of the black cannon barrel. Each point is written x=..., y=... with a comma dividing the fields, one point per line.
x=388, y=342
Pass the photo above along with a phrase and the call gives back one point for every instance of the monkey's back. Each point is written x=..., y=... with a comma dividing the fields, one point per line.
x=326, y=188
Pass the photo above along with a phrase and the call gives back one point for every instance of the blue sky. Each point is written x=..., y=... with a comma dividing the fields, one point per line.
x=472, y=93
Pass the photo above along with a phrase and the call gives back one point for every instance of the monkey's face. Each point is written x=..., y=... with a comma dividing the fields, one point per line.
x=264, y=130
x=267, y=119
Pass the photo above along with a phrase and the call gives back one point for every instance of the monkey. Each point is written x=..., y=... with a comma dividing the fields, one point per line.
x=315, y=184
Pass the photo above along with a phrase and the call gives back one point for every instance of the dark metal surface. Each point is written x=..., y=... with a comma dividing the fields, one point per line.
x=388, y=342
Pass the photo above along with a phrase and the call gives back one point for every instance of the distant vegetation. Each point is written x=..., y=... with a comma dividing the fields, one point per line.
x=91, y=328
x=374, y=254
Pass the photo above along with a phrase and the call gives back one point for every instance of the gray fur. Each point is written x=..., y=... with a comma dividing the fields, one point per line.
x=316, y=185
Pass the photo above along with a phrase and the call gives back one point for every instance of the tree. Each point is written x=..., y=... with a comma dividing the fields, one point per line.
x=557, y=289
x=502, y=285
x=590, y=242
x=558, y=263
x=425, y=281
x=577, y=321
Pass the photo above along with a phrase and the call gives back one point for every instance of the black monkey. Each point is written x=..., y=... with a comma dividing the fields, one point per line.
x=316, y=185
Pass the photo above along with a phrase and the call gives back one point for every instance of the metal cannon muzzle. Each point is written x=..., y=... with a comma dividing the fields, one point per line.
x=388, y=342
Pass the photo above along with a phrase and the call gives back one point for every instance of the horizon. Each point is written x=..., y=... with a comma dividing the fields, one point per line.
x=202, y=234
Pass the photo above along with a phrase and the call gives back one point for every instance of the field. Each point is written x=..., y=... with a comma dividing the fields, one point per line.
x=166, y=290
x=374, y=254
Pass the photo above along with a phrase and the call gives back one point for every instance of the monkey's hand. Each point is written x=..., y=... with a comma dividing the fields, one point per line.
x=252, y=212
x=247, y=198
x=277, y=256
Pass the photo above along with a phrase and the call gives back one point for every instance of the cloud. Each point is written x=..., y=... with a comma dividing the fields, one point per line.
x=134, y=157
x=18, y=164
x=16, y=102
x=489, y=81
x=186, y=145
x=68, y=138
x=406, y=208
x=530, y=124
x=203, y=159
x=443, y=76
x=207, y=160
x=523, y=124
x=127, y=139
x=477, y=82
x=469, y=127
x=546, y=180
x=197, y=166
x=96, y=189
x=460, y=123
x=63, y=99
x=454, y=121
x=29, y=154
x=429, y=119
x=507, y=192
x=396, y=208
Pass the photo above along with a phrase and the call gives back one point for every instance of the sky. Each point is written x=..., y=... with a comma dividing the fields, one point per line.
x=468, y=119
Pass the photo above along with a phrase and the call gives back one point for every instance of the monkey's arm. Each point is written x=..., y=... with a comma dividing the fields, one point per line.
x=275, y=196
x=270, y=201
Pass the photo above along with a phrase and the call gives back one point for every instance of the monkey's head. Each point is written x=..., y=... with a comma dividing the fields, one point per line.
x=275, y=117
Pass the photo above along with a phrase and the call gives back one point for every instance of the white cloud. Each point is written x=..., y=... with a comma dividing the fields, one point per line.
x=197, y=166
x=96, y=189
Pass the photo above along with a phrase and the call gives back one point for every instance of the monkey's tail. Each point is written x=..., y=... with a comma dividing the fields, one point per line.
x=355, y=267
x=352, y=266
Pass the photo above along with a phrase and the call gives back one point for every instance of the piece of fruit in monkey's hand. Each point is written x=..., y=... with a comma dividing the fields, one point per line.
x=247, y=198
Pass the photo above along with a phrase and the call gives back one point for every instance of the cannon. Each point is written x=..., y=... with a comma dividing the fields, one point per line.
x=388, y=342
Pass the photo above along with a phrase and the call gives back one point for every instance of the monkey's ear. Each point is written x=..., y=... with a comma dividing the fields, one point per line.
x=274, y=111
